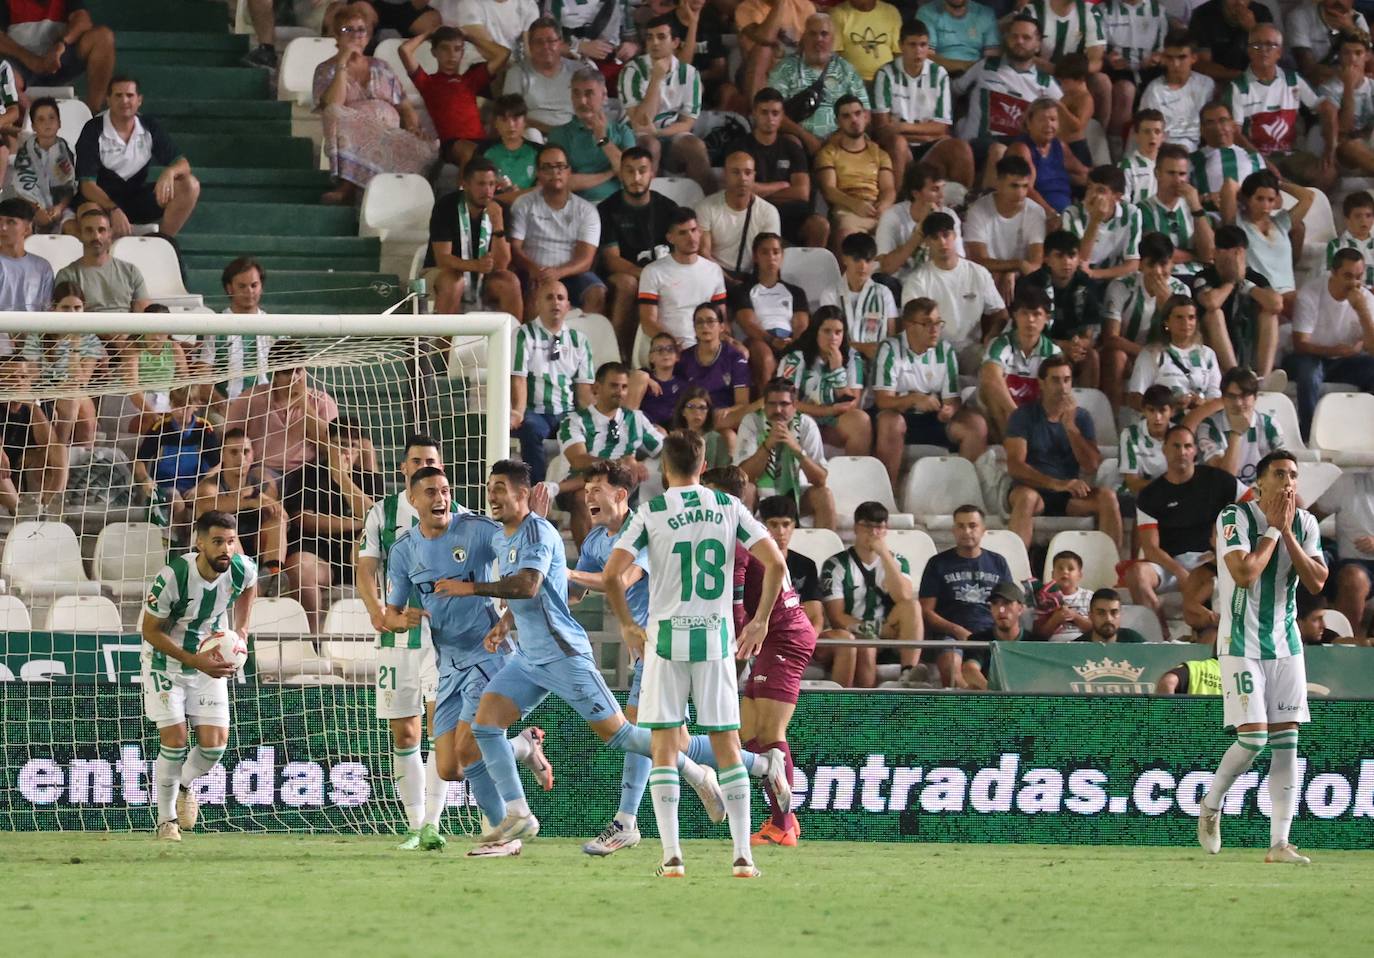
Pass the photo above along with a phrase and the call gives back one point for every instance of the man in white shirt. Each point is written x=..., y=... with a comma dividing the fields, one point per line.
x=554, y=235
x=730, y=219
x=502, y=22
x=781, y=452
x=673, y=286
x=545, y=78
x=1181, y=93
x=1333, y=333
x=1005, y=231
x=1313, y=28
x=973, y=310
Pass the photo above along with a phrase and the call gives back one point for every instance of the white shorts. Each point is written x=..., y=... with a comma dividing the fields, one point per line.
x=170, y=698
x=406, y=680
x=668, y=684
x=1263, y=691
x=1167, y=581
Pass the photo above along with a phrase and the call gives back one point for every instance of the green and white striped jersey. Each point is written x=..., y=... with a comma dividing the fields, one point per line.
x=1349, y=241
x=1140, y=177
x=1134, y=30
x=1260, y=622
x=679, y=95
x=385, y=521
x=868, y=313
x=1118, y=239
x=925, y=98
x=1213, y=165
x=623, y=433
x=1334, y=91
x=1268, y=112
x=1260, y=439
x=1193, y=369
x=817, y=382
x=901, y=370
x=1005, y=351
x=1177, y=223
x=192, y=606
x=553, y=363
x=842, y=577
x=999, y=97
x=1130, y=304
x=691, y=533
x=1075, y=31
x=1141, y=453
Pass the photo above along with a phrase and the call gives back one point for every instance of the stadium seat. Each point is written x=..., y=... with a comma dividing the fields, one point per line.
x=679, y=189
x=1320, y=225
x=83, y=613
x=348, y=617
x=600, y=332
x=1096, y=404
x=157, y=260
x=937, y=485
x=1009, y=546
x=127, y=556
x=916, y=545
x=1338, y=623
x=396, y=206
x=1098, y=553
x=277, y=617
x=44, y=559
x=73, y=114
x=858, y=479
x=820, y=685
x=14, y=615
x=816, y=544
x=296, y=72
x=279, y=659
x=812, y=268
x=353, y=658
x=1340, y=428
x=1285, y=416
x=1143, y=620
x=1314, y=478
x=58, y=249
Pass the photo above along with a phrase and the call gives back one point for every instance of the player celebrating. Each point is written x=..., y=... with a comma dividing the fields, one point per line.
x=407, y=677
x=188, y=602
x=1268, y=545
x=690, y=533
x=451, y=543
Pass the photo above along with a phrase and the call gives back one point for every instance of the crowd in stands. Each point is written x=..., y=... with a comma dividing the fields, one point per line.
x=1025, y=214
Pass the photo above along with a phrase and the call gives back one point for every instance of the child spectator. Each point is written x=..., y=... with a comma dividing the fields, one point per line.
x=153, y=363
x=45, y=169
x=718, y=367
x=657, y=389
x=829, y=375
x=450, y=96
x=1142, y=443
x=1357, y=209
x=513, y=155
x=1062, y=604
x=694, y=413
x=1075, y=305
x=1008, y=378
x=177, y=449
x=1139, y=162
x=1076, y=107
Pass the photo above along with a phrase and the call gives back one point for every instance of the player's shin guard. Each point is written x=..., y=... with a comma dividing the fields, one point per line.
x=1235, y=763
x=166, y=780
x=634, y=778
x=500, y=760
x=198, y=762
x=734, y=782
x=1283, y=782
x=436, y=790
x=408, y=772
x=484, y=790
x=666, y=790
x=781, y=817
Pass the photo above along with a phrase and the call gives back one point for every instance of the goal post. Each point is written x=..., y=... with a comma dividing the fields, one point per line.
x=114, y=429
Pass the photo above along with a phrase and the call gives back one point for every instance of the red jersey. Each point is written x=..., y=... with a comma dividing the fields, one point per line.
x=452, y=101
x=788, y=624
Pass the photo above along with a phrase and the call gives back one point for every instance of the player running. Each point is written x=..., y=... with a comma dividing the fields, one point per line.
x=453, y=544
x=190, y=600
x=690, y=533
x=1268, y=546
x=407, y=675
x=770, y=694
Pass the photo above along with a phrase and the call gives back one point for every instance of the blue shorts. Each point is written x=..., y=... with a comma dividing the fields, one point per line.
x=576, y=680
x=460, y=690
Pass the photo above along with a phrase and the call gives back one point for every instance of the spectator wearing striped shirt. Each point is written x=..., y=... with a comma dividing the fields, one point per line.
x=1132, y=304
x=1238, y=436
x=829, y=375
x=243, y=359
x=1142, y=444
x=1139, y=162
x=913, y=111
x=1008, y=378
x=1357, y=210
x=551, y=375
x=1134, y=31
x=662, y=97
x=1176, y=211
x=554, y=235
x=1219, y=165
x=1351, y=91
x=1107, y=227
x=1074, y=26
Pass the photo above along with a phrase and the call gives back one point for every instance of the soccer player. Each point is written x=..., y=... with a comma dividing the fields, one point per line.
x=1268, y=546
x=449, y=543
x=189, y=601
x=407, y=675
x=690, y=533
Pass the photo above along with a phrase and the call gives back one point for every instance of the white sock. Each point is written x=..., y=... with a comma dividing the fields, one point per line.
x=1235, y=763
x=1283, y=784
x=436, y=790
x=734, y=782
x=517, y=806
x=408, y=771
x=198, y=763
x=521, y=747
x=627, y=822
x=166, y=780
x=666, y=790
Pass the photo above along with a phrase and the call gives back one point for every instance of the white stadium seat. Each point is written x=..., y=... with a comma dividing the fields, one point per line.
x=58, y=249
x=396, y=206
x=44, y=559
x=355, y=659
x=1096, y=404
x=127, y=556
x=83, y=613
x=599, y=332
x=1341, y=428
x=279, y=659
x=157, y=260
x=916, y=545
x=858, y=479
x=812, y=268
x=390, y=52
x=1098, y=554
x=1009, y=546
x=296, y=72
x=277, y=617
x=679, y=189
x=14, y=615
x=348, y=617
x=1279, y=407
x=73, y=115
x=1142, y=619
x=816, y=544
x=1338, y=623
x=936, y=486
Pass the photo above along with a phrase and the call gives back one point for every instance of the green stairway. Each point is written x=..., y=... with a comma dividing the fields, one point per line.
x=260, y=186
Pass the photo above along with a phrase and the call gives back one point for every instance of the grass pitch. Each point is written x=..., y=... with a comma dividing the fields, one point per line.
x=97, y=894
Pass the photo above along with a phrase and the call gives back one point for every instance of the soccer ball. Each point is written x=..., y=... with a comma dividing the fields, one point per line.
x=229, y=646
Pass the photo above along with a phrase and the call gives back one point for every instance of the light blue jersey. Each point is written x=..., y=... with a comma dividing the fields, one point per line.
x=596, y=549
x=547, y=630
x=464, y=551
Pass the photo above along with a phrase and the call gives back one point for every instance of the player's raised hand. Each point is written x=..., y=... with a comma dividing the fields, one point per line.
x=635, y=637
x=539, y=499
x=751, y=638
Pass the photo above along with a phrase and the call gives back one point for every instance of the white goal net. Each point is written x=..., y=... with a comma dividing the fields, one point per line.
x=118, y=430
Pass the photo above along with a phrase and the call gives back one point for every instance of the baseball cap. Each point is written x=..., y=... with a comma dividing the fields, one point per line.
x=1008, y=592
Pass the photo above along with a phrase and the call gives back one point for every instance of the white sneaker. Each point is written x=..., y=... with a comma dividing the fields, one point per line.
x=188, y=808
x=744, y=868
x=536, y=761
x=1209, y=830
x=1286, y=855
x=168, y=832
x=612, y=839
x=497, y=850
x=513, y=827
x=712, y=798
x=777, y=779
